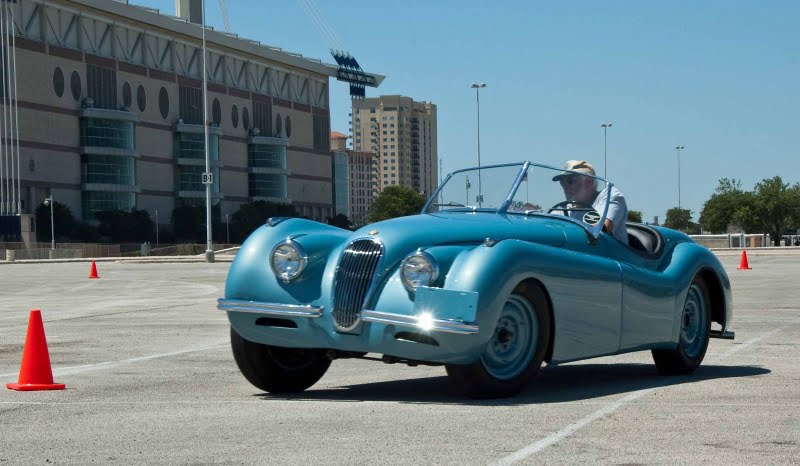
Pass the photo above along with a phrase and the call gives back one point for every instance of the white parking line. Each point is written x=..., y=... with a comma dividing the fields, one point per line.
x=111, y=364
x=610, y=408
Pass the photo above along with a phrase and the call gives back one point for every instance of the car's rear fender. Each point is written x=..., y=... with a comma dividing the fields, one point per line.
x=688, y=260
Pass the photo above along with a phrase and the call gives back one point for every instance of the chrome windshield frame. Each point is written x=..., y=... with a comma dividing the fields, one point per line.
x=524, y=166
x=485, y=167
x=595, y=230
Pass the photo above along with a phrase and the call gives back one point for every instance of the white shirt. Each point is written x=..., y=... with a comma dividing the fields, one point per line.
x=617, y=211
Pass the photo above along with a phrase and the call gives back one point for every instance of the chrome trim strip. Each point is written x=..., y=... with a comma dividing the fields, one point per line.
x=272, y=309
x=435, y=325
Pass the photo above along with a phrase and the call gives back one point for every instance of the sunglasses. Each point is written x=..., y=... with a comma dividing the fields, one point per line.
x=569, y=180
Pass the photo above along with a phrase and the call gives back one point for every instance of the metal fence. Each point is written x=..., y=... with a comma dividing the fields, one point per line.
x=40, y=250
x=742, y=240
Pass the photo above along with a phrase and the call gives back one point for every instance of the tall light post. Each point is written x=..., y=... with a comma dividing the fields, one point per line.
x=477, y=87
x=605, y=127
x=48, y=201
x=156, y=227
x=207, y=178
x=679, y=148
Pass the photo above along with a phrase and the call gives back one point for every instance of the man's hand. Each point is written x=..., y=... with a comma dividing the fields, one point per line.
x=608, y=227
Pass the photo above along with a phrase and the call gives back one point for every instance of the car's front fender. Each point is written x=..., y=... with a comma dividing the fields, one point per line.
x=251, y=277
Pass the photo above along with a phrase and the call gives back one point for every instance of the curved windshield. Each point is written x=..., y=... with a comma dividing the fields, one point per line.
x=485, y=189
x=526, y=189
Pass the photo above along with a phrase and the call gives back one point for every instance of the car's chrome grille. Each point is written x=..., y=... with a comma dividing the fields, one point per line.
x=353, y=279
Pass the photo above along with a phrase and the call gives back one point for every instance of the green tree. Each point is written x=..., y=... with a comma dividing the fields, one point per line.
x=718, y=211
x=773, y=207
x=125, y=227
x=62, y=219
x=189, y=222
x=252, y=215
x=396, y=201
x=635, y=216
x=341, y=221
x=678, y=219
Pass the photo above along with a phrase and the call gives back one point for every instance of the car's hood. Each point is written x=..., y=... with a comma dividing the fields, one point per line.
x=404, y=234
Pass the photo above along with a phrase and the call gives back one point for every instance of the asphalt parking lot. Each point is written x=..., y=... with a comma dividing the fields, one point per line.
x=151, y=379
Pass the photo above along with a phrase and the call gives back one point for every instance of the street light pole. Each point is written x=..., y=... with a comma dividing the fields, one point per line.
x=49, y=201
x=477, y=87
x=209, y=247
x=679, y=148
x=605, y=127
x=156, y=227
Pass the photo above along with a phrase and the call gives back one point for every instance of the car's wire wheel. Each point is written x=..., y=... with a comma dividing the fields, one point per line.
x=693, y=324
x=695, y=329
x=514, y=341
x=515, y=350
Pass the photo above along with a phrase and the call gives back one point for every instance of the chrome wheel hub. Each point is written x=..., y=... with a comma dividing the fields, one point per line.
x=514, y=341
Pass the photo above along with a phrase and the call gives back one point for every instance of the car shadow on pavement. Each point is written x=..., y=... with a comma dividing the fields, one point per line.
x=554, y=384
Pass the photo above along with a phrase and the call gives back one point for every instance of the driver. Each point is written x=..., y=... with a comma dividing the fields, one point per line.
x=583, y=189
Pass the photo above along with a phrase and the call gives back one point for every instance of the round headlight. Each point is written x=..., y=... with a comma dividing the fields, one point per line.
x=288, y=260
x=418, y=269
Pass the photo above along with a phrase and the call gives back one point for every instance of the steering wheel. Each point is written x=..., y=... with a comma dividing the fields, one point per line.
x=571, y=206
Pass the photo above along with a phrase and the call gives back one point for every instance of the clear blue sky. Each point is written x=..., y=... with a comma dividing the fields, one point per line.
x=720, y=77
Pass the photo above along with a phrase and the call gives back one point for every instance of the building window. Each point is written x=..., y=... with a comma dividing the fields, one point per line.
x=245, y=118
x=101, y=86
x=216, y=112
x=190, y=178
x=190, y=146
x=107, y=169
x=235, y=116
x=322, y=140
x=288, y=126
x=141, y=98
x=278, y=125
x=163, y=103
x=58, y=82
x=127, y=95
x=99, y=132
x=75, y=85
x=190, y=105
x=372, y=110
x=266, y=156
x=262, y=117
x=267, y=185
x=101, y=201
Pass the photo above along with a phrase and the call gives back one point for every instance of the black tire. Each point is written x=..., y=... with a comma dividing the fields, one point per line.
x=687, y=356
x=477, y=381
x=276, y=369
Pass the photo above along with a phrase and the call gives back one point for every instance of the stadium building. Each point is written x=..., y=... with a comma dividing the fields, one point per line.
x=110, y=112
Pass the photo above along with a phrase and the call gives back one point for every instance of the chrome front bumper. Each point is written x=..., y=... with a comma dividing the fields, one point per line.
x=270, y=309
x=422, y=322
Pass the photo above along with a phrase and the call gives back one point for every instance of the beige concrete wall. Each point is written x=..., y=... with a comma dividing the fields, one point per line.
x=46, y=119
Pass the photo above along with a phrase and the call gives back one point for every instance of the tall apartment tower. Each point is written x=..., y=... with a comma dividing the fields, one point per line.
x=354, y=180
x=402, y=133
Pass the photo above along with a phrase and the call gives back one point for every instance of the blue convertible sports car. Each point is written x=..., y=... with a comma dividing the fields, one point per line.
x=498, y=274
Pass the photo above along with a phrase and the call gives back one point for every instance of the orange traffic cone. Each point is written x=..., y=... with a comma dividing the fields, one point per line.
x=35, y=372
x=93, y=271
x=743, y=265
